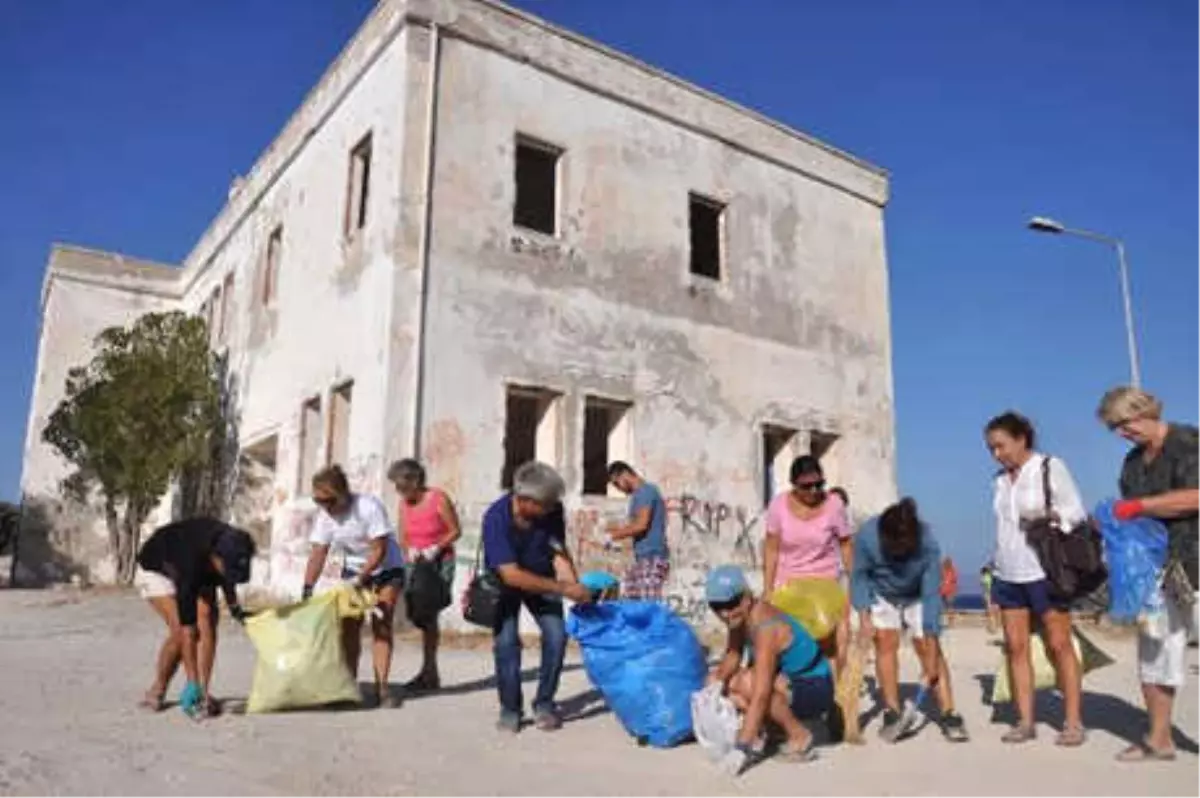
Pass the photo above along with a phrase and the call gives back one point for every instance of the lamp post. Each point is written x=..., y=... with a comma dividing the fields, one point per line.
x=1041, y=224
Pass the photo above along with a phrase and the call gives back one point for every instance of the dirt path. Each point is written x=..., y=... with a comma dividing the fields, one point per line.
x=73, y=667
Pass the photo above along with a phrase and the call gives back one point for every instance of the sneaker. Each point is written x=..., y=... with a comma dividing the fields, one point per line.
x=897, y=724
x=510, y=724
x=548, y=720
x=953, y=728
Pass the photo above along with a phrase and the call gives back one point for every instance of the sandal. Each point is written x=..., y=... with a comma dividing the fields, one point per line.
x=1144, y=752
x=799, y=753
x=1019, y=734
x=1071, y=737
x=153, y=702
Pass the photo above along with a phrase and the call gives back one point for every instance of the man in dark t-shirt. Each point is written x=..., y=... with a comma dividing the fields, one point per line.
x=524, y=544
x=181, y=566
x=1159, y=480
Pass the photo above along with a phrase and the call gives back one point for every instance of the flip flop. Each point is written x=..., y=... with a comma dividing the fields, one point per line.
x=799, y=754
x=152, y=702
x=1019, y=734
x=1144, y=752
x=1071, y=737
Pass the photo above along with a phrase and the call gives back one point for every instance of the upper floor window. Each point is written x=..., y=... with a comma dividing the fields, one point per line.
x=706, y=222
x=358, y=186
x=535, y=171
x=270, y=280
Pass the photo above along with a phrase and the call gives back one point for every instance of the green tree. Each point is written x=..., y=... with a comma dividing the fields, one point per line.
x=141, y=413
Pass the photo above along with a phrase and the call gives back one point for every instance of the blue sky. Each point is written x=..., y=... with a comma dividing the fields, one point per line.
x=124, y=122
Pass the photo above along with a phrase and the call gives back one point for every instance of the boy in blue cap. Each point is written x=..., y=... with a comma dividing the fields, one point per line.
x=787, y=679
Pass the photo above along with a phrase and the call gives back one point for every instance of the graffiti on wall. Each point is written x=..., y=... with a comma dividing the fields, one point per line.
x=714, y=519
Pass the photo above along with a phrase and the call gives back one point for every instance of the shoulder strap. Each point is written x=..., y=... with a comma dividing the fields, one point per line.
x=1047, y=496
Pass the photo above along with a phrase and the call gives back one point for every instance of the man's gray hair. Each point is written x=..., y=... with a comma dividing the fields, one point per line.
x=539, y=482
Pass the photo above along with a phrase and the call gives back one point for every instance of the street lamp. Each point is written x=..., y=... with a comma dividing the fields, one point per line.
x=1041, y=224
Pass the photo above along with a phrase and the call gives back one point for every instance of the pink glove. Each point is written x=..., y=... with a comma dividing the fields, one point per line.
x=1128, y=509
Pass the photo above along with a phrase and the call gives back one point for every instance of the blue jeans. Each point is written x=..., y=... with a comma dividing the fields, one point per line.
x=548, y=611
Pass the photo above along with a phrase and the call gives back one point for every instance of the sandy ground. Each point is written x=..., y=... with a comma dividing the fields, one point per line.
x=73, y=666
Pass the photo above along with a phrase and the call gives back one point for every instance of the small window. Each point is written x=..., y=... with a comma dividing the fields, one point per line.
x=339, y=424
x=778, y=445
x=271, y=267
x=705, y=220
x=358, y=186
x=530, y=429
x=823, y=446
x=605, y=438
x=226, y=321
x=536, y=175
x=310, y=443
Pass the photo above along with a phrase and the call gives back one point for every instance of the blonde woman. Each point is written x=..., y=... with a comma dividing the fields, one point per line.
x=1159, y=480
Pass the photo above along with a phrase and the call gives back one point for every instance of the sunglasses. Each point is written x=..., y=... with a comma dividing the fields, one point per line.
x=818, y=485
x=725, y=606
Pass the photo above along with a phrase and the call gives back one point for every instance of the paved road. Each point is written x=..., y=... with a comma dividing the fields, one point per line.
x=73, y=666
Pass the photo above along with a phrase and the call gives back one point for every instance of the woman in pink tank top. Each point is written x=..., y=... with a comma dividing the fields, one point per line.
x=808, y=536
x=428, y=530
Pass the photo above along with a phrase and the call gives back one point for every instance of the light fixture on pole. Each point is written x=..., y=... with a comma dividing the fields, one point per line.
x=1042, y=224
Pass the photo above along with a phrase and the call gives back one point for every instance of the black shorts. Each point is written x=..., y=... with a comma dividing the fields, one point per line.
x=812, y=696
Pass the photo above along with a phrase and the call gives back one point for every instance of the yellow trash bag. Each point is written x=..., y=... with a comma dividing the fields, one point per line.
x=818, y=604
x=300, y=661
x=1044, y=676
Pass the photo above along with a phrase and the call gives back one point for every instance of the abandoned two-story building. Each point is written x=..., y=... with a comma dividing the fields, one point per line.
x=483, y=239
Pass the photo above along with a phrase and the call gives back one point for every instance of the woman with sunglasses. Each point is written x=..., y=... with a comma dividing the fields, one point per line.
x=808, y=536
x=356, y=526
x=788, y=679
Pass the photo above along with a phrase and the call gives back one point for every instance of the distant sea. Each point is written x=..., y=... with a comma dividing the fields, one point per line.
x=970, y=602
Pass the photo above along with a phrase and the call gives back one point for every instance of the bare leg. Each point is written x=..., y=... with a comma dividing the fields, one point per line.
x=352, y=643
x=842, y=638
x=945, y=694
x=382, y=640
x=1160, y=700
x=887, y=666
x=1057, y=634
x=206, y=650
x=430, y=637
x=1020, y=666
x=169, y=654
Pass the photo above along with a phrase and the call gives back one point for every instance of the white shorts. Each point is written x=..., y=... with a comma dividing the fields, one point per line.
x=886, y=615
x=1162, y=660
x=152, y=584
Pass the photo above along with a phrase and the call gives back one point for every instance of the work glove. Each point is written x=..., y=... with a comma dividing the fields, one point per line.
x=1128, y=509
x=306, y=592
x=191, y=700
x=239, y=614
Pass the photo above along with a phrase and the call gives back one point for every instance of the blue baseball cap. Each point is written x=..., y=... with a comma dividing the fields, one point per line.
x=725, y=583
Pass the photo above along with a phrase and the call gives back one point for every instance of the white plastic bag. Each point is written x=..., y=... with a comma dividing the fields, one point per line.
x=715, y=722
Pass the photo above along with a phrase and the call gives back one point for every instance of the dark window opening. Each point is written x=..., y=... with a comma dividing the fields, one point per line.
x=704, y=231
x=536, y=173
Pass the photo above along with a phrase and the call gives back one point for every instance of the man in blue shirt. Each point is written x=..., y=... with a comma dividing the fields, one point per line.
x=647, y=526
x=894, y=583
x=524, y=543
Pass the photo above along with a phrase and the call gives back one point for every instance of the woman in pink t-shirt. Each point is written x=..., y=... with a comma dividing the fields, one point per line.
x=808, y=535
x=428, y=530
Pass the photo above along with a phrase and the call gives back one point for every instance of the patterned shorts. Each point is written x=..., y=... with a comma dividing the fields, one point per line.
x=645, y=579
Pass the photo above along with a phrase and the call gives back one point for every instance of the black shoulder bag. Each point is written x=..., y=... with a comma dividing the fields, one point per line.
x=481, y=602
x=1073, y=560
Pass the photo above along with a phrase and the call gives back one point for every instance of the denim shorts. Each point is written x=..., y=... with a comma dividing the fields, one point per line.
x=1032, y=596
x=812, y=696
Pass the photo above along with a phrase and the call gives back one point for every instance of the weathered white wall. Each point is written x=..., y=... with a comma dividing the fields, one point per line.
x=795, y=334
x=84, y=293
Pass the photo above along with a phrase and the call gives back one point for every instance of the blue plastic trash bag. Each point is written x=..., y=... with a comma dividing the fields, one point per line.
x=646, y=662
x=1135, y=552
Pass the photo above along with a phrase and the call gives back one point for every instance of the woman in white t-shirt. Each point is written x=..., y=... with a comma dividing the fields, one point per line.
x=1019, y=585
x=356, y=526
